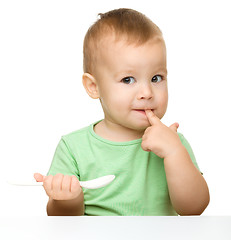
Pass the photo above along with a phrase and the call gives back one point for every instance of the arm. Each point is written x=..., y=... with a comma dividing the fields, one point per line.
x=74, y=207
x=188, y=190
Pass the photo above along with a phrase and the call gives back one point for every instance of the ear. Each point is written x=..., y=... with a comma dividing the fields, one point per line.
x=90, y=85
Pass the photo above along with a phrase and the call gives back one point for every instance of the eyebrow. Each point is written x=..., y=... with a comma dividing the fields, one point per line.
x=133, y=71
x=161, y=69
x=124, y=72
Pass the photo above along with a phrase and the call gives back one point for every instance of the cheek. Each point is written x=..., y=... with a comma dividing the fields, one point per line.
x=119, y=98
x=111, y=101
x=104, y=93
x=162, y=103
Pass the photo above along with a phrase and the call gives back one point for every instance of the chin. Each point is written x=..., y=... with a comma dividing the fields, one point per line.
x=140, y=127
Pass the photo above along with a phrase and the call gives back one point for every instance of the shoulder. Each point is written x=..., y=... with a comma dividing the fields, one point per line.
x=188, y=147
x=184, y=141
x=182, y=138
x=76, y=135
x=76, y=132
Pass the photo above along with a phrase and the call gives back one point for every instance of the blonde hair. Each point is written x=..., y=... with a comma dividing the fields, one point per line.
x=123, y=22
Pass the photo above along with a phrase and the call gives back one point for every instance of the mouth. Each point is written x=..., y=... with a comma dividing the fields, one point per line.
x=142, y=111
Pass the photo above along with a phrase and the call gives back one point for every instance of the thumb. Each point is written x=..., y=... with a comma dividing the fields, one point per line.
x=174, y=126
x=39, y=177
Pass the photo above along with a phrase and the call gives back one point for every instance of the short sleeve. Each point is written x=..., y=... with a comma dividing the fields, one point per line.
x=189, y=149
x=63, y=161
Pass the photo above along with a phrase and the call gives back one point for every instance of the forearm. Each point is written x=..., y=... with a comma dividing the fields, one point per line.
x=73, y=207
x=188, y=190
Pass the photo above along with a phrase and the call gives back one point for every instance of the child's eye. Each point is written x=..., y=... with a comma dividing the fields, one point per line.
x=128, y=80
x=157, y=78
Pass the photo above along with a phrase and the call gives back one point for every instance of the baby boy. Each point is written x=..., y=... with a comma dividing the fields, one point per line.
x=155, y=168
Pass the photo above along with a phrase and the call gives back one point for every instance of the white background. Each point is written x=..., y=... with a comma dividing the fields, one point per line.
x=42, y=98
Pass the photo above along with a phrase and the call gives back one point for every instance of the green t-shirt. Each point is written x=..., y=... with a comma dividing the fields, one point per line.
x=140, y=186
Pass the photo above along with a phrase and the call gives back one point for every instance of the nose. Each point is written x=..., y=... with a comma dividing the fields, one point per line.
x=145, y=92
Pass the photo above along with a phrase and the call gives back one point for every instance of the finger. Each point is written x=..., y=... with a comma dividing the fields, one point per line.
x=47, y=184
x=174, y=126
x=39, y=177
x=48, y=181
x=66, y=184
x=152, y=118
x=57, y=182
x=74, y=183
x=144, y=146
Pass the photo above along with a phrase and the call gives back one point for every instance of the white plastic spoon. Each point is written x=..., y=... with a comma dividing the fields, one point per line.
x=91, y=184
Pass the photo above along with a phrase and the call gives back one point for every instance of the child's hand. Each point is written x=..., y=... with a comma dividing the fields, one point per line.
x=159, y=138
x=60, y=187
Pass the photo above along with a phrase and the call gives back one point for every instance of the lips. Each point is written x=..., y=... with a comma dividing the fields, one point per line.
x=142, y=110
x=139, y=110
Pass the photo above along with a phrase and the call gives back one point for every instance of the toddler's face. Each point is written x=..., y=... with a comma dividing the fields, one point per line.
x=131, y=79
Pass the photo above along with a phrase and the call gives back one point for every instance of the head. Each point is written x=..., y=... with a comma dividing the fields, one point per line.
x=125, y=67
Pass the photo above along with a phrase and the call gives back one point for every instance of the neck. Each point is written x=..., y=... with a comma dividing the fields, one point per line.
x=115, y=132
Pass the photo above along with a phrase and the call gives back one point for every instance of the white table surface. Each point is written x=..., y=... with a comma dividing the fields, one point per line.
x=94, y=228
